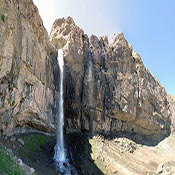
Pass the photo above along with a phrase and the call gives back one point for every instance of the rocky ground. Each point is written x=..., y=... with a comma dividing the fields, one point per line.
x=91, y=154
x=123, y=156
x=33, y=154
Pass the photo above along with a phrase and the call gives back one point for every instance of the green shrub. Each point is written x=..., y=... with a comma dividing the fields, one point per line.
x=32, y=144
x=3, y=18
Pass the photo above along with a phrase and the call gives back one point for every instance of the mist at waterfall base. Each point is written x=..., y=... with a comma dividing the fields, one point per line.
x=60, y=156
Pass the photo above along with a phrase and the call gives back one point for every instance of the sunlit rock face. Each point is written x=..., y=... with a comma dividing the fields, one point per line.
x=121, y=94
x=27, y=83
x=65, y=34
x=171, y=100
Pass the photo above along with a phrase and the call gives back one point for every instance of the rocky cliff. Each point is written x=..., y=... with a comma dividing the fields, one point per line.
x=107, y=87
x=171, y=100
x=27, y=81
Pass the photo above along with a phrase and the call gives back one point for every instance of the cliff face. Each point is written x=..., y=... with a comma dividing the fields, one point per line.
x=107, y=87
x=27, y=83
x=171, y=100
x=66, y=34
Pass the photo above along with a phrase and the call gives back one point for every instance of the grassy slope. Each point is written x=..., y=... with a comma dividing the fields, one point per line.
x=7, y=165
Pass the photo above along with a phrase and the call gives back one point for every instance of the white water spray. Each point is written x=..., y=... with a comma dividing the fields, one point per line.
x=90, y=87
x=59, y=155
x=89, y=67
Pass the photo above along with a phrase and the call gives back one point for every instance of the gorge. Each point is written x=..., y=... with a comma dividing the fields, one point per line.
x=113, y=107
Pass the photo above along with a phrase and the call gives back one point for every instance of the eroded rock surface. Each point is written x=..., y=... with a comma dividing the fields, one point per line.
x=107, y=87
x=171, y=100
x=27, y=83
x=65, y=34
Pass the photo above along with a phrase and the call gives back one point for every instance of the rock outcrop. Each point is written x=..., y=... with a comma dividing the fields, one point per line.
x=27, y=81
x=107, y=87
x=66, y=34
x=171, y=100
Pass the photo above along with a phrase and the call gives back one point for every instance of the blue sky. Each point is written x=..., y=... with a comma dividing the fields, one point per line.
x=148, y=25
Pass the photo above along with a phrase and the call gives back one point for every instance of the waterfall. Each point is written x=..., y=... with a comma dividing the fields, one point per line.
x=59, y=155
x=90, y=87
x=89, y=66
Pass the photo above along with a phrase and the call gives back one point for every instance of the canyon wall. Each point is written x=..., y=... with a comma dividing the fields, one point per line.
x=27, y=81
x=107, y=86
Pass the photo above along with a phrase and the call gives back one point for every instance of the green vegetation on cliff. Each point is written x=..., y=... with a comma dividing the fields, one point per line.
x=7, y=165
x=3, y=18
x=32, y=144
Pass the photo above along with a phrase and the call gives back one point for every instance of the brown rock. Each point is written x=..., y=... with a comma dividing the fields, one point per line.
x=117, y=93
x=27, y=83
x=65, y=34
x=107, y=88
x=171, y=100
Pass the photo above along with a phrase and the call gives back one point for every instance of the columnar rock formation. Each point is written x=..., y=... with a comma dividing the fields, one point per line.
x=27, y=84
x=125, y=96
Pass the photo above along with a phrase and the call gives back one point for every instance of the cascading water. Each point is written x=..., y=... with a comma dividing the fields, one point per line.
x=90, y=87
x=89, y=66
x=59, y=155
